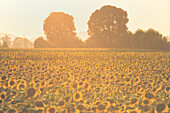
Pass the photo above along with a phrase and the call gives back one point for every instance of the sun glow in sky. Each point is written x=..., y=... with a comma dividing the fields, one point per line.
x=25, y=17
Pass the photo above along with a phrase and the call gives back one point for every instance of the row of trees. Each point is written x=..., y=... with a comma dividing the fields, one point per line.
x=18, y=42
x=107, y=28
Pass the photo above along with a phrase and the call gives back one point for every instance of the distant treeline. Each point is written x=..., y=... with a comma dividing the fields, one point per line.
x=18, y=42
x=107, y=28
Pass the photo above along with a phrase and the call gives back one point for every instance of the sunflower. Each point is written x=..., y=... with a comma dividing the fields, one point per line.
x=161, y=108
x=43, y=84
x=21, y=86
x=32, y=84
x=61, y=104
x=31, y=92
x=50, y=83
x=41, y=90
x=14, y=101
x=137, y=80
x=39, y=110
x=13, y=93
x=150, y=97
x=84, y=79
x=1, y=111
x=3, y=95
x=146, y=101
x=75, y=85
x=108, y=104
x=133, y=111
x=101, y=108
x=147, y=109
x=12, y=111
x=134, y=101
x=128, y=80
x=51, y=109
x=67, y=98
x=87, y=86
x=77, y=111
x=168, y=89
x=97, y=90
x=81, y=83
x=111, y=78
x=77, y=96
x=1, y=102
x=39, y=104
x=80, y=107
x=137, y=110
x=154, y=89
x=4, y=77
x=5, y=85
x=111, y=101
x=20, y=106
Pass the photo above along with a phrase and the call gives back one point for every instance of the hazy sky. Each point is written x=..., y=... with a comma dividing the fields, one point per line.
x=25, y=17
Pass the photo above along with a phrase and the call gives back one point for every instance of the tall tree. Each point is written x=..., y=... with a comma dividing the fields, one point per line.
x=106, y=25
x=60, y=30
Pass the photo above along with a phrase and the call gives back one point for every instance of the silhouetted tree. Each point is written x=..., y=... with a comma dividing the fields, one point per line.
x=60, y=30
x=22, y=43
x=106, y=26
x=41, y=43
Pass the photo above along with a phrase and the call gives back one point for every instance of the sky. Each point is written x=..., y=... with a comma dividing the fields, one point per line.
x=25, y=17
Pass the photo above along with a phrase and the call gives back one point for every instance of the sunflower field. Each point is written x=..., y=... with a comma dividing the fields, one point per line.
x=84, y=81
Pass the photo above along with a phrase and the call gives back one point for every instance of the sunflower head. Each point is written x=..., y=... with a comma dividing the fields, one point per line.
x=4, y=77
x=101, y=107
x=61, y=103
x=77, y=96
x=160, y=107
x=51, y=109
x=3, y=95
x=80, y=107
x=31, y=92
x=39, y=104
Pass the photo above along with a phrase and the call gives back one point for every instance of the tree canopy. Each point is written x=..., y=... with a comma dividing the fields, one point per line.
x=106, y=25
x=60, y=30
